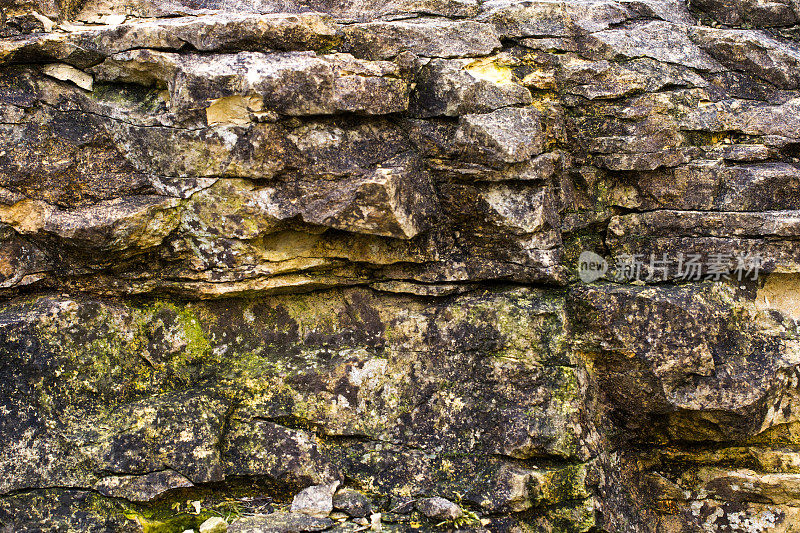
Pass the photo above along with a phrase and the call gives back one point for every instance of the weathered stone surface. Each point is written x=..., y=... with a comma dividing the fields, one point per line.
x=214, y=524
x=352, y=502
x=217, y=32
x=135, y=222
x=777, y=122
x=252, y=250
x=141, y=488
x=560, y=19
x=280, y=523
x=710, y=234
x=290, y=83
x=64, y=510
x=454, y=88
x=509, y=135
x=754, y=52
x=662, y=41
x=291, y=456
x=316, y=500
x=608, y=79
x=759, y=13
x=348, y=10
x=437, y=508
x=240, y=425
x=707, y=386
x=423, y=37
x=710, y=185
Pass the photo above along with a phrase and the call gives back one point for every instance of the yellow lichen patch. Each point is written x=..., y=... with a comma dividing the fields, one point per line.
x=781, y=292
x=233, y=109
x=26, y=216
x=493, y=69
x=541, y=80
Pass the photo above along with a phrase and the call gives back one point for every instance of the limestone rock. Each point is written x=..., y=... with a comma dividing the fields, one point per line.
x=454, y=88
x=514, y=19
x=316, y=501
x=215, y=524
x=142, y=488
x=214, y=32
x=291, y=456
x=509, y=135
x=663, y=41
x=68, y=73
x=352, y=502
x=437, y=508
x=759, y=13
x=291, y=83
x=423, y=37
x=752, y=51
x=280, y=523
x=250, y=248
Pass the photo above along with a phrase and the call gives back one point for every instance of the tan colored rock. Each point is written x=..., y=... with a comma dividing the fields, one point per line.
x=215, y=524
x=780, y=292
x=235, y=110
x=64, y=72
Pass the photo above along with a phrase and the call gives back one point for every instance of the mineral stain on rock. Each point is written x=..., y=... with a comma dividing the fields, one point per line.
x=275, y=266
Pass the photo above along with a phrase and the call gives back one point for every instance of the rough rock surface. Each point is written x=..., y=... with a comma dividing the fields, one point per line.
x=352, y=502
x=437, y=508
x=316, y=500
x=250, y=248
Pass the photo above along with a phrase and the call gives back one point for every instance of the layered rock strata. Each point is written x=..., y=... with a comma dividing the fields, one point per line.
x=252, y=247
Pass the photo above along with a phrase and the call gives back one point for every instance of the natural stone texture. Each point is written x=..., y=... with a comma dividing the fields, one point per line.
x=437, y=508
x=291, y=456
x=315, y=501
x=352, y=502
x=768, y=234
x=608, y=79
x=561, y=19
x=159, y=347
x=51, y=510
x=280, y=523
x=348, y=10
x=510, y=135
x=662, y=41
x=291, y=83
x=141, y=488
x=218, y=32
x=454, y=88
x=759, y=13
x=215, y=524
x=257, y=249
x=423, y=37
x=753, y=52
x=63, y=72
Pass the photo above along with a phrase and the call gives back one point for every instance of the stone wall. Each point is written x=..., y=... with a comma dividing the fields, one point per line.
x=249, y=247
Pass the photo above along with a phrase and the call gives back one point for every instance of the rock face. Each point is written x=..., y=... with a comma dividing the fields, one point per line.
x=255, y=251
